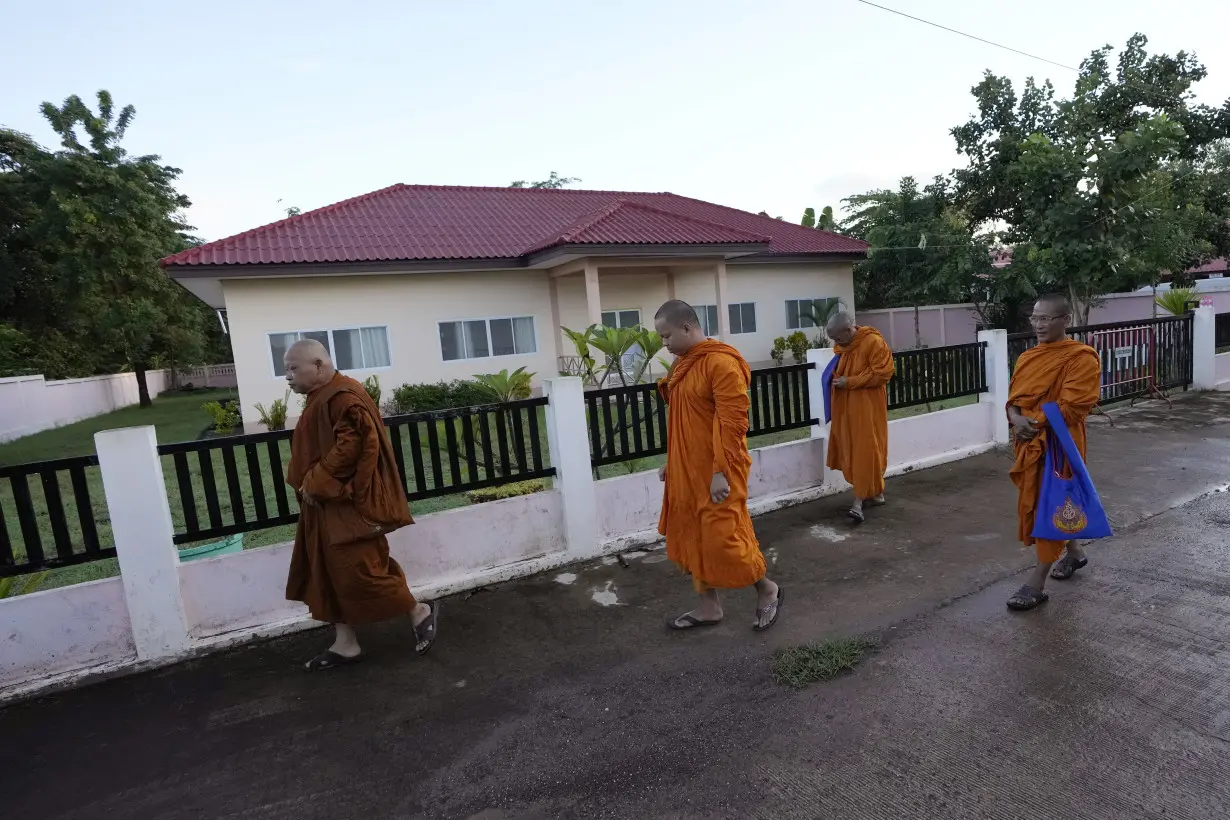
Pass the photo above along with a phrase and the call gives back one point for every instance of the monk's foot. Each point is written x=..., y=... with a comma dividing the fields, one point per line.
x=878, y=501
x=1067, y=566
x=1026, y=598
x=694, y=619
x=768, y=606
x=426, y=622
x=329, y=659
x=856, y=512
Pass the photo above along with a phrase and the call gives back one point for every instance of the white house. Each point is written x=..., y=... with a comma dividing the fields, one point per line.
x=419, y=283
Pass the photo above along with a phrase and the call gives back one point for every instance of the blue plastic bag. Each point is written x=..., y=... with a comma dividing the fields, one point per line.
x=826, y=387
x=1067, y=507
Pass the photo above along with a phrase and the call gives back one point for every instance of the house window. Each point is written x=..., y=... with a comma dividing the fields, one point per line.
x=481, y=338
x=801, y=313
x=742, y=318
x=621, y=318
x=356, y=348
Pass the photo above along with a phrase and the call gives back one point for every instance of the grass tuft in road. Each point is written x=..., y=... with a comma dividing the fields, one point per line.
x=799, y=666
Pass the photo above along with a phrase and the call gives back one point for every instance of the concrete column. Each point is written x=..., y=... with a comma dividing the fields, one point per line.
x=1204, y=349
x=593, y=295
x=141, y=524
x=723, y=301
x=557, y=331
x=998, y=380
x=670, y=283
x=568, y=438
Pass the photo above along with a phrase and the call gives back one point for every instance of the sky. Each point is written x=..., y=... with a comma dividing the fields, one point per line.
x=773, y=106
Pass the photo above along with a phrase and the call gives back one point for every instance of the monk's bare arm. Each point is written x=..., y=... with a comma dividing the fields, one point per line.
x=731, y=405
x=326, y=480
x=879, y=368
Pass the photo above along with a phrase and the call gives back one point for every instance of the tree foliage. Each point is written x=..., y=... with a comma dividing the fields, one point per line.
x=553, y=182
x=81, y=231
x=1104, y=190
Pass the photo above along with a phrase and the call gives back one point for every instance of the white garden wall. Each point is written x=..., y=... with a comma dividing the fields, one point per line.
x=31, y=404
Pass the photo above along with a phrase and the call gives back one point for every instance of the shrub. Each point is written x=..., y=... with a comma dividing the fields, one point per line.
x=798, y=344
x=506, y=491
x=1174, y=301
x=274, y=416
x=424, y=398
x=505, y=387
x=372, y=385
x=225, y=415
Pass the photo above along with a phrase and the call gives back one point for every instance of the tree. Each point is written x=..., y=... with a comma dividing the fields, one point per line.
x=826, y=222
x=1101, y=191
x=809, y=218
x=83, y=228
x=555, y=181
x=923, y=249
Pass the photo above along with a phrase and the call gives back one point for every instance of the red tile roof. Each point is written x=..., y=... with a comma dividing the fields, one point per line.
x=429, y=222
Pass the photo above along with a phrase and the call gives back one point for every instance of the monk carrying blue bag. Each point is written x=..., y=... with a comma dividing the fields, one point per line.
x=1068, y=504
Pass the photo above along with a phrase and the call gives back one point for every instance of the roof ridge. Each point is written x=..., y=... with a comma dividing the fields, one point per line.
x=548, y=191
x=698, y=221
x=774, y=220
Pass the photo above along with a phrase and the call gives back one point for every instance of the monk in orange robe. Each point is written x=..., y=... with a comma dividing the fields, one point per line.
x=858, y=433
x=343, y=468
x=705, y=519
x=1068, y=373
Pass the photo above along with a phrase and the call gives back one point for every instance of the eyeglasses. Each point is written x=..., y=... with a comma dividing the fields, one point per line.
x=1045, y=320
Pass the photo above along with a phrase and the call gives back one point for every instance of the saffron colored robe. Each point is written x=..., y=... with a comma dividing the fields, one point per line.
x=342, y=458
x=1068, y=373
x=707, y=391
x=858, y=434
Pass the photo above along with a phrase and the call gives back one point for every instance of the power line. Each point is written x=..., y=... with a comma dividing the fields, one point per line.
x=970, y=36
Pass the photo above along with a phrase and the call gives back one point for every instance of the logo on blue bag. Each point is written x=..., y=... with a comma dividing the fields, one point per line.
x=1069, y=518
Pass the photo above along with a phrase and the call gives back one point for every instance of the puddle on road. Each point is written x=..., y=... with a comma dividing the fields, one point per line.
x=606, y=596
x=982, y=536
x=827, y=533
x=566, y=578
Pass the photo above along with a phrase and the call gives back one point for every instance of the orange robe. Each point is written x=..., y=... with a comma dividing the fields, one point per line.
x=342, y=458
x=707, y=434
x=1068, y=373
x=858, y=434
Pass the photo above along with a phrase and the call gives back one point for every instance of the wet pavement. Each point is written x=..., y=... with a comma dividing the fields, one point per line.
x=564, y=696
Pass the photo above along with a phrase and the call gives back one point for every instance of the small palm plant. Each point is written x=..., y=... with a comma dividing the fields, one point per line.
x=507, y=387
x=12, y=587
x=1175, y=300
x=274, y=416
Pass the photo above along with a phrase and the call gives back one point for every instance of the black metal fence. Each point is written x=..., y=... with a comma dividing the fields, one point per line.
x=938, y=373
x=1135, y=355
x=438, y=454
x=629, y=423
x=1223, y=331
x=51, y=513
x=54, y=513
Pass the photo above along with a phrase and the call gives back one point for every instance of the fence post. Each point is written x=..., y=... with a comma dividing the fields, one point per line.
x=1204, y=348
x=141, y=524
x=568, y=439
x=998, y=379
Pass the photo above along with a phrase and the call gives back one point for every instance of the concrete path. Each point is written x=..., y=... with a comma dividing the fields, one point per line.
x=563, y=696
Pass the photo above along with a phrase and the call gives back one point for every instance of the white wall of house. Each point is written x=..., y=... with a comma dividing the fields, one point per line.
x=411, y=306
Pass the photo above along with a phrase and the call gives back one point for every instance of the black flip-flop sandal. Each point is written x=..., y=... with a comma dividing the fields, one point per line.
x=777, y=611
x=1027, y=598
x=426, y=630
x=1065, y=568
x=329, y=659
x=856, y=515
x=688, y=621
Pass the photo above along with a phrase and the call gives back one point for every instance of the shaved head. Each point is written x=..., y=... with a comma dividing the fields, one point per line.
x=840, y=328
x=679, y=326
x=308, y=366
x=1051, y=316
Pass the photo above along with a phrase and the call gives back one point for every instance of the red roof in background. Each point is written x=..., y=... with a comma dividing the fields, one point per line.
x=1212, y=266
x=430, y=222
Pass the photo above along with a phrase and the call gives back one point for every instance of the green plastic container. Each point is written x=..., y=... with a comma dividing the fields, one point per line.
x=232, y=543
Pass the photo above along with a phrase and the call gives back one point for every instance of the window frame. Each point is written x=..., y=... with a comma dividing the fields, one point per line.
x=640, y=317
x=786, y=309
x=487, y=320
x=717, y=330
x=388, y=336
